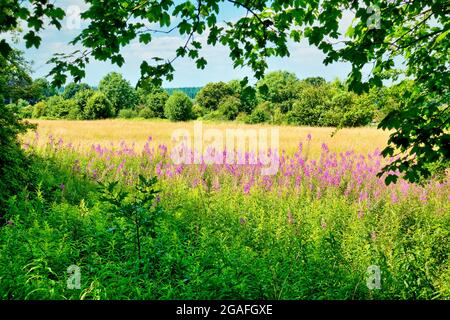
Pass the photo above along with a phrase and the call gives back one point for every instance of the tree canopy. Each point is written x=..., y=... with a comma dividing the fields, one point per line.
x=415, y=31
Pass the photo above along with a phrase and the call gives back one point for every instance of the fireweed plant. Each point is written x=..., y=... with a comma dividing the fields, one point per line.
x=159, y=230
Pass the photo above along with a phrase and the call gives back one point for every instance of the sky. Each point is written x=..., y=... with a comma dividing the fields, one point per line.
x=304, y=61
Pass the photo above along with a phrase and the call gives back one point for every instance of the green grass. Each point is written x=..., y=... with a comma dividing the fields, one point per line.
x=218, y=244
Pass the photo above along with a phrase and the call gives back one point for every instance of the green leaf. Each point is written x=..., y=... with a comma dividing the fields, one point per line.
x=201, y=63
x=145, y=38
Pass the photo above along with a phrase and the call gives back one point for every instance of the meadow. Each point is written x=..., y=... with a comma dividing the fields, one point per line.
x=111, y=202
x=87, y=133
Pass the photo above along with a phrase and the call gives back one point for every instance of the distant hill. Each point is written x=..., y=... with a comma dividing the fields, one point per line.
x=191, y=92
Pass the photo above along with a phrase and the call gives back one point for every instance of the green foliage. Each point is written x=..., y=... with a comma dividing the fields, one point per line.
x=14, y=165
x=246, y=94
x=118, y=91
x=242, y=117
x=198, y=111
x=309, y=108
x=15, y=79
x=39, y=109
x=137, y=208
x=277, y=87
x=156, y=103
x=210, y=96
x=229, y=107
x=98, y=107
x=81, y=98
x=59, y=108
x=260, y=114
x=73, y=88
x=139, y=241
x=423, y=143
x=178, y=107
x=127, y=114
x=346, y=109
x=146, y=113
x=214, y=116
x=40, y=90
x=26, y=112
x=315, y=81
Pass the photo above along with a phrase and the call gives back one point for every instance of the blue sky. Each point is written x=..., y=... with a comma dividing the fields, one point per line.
x=305, y=60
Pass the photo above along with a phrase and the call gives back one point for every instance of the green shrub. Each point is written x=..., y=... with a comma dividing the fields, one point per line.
x=39, y=109
x=26, y=112
x=146, y=113
x=260, y=114
x=347, y=110
x=229, y=107
x=156, y=103
x=278, y=86
x=246, y=94
x=127, y=114
x=215, y=115
x=312, y=103
x=198, y=111
x=178, y=107
x=60, y=108
x=210, y=96
x=14, y=164
x=18, y=106
x=303, y=114
x=82, y=97
x=118, y=91
x=98, y=107
x=279, y=117
x=242, y=117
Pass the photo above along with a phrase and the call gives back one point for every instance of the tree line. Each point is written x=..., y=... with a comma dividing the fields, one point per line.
x=278, y=98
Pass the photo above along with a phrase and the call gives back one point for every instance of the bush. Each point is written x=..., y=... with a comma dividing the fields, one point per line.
x=127, y=114
x=26, y=112
x=22, y=104
x=348, y=110
x=303, y=114
x=198, y=111
x=277, y=86
x=279, y=117
x=178, y=107
x=214, y=116
x=156, y=102
x=311, y=105
x=242, y=117
x=39, y=109
x=118, y=91
x=60, y=108
x=98, y=107
x=14, y=173
x=260, y=114
x=146, y=113
x=210, y=96
x=82, y=97
x=358, y=115
x=246, y=94
x=229, y=107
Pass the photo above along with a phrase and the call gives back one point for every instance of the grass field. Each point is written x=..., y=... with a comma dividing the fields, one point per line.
x=86, y=133
x=136, y=225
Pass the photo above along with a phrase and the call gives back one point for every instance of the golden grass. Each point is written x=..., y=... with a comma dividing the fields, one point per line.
x=86, y=133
